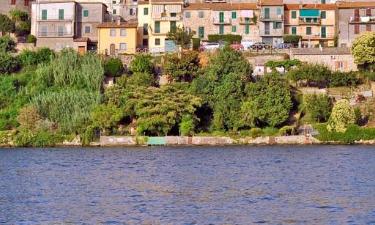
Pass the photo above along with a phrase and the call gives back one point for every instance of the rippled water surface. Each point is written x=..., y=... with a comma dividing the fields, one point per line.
x=188, y=185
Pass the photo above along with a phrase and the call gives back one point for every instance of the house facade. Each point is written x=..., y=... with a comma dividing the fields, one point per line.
x=8, y=5
x=271, y=21
x=155, y=19
x=59, y=25
x=354, y=18
x=315, y=23
x=117, y=37
x=125, y=9
x=222, y=18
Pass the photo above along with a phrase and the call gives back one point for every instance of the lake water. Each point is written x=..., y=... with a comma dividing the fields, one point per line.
x=188, y=185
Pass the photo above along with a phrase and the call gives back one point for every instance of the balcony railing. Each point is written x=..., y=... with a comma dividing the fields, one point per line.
x=170, y=18
x=222, y=21
x=309, y=21
x=245, y=21
x=55, y=20
x=362, y=19
x=272, y=32
x=271, y=17
x=55, y=34
x=318, y=36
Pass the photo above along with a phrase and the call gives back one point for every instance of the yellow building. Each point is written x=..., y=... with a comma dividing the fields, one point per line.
x=316, y=23
x=117, y=38
x=155, y=19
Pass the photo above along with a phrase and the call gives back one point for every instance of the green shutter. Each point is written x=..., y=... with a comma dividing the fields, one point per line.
x=145, y=11
x=44, y=14
x=157, y=26
x=308, y=30
x=221, y=29
x=201, y=32
x=221, y=17
x=294, y=14
x=85, y=13
x=266, y=13
x=173, y=26
x=247, y=29
x=234, y=15
x=323, y=32
x=234, y=29
x=323, y=14
x=61, y=14
x=294, y=30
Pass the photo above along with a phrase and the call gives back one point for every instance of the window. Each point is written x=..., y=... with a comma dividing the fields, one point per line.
x=13, y=2
x=44, y=14
x=277, y=25
x=26, y=2
x=123, y=32
x=145, y=11
x=323, y=14
x=112, y=32
x=368, y=27
x=201, y=32
x=43, y=31
x=187, y=14
x=294, y=14
x=247, y=29
x=356, y=29
x=323, y=1
x=221, y=17
x=234, y=29
x=221, y=29
x=278, y=11
x=294, y=30
x=172, y=26
x=173, y=14
x=200, y=14
x=61, y=14
x=157, y=41
x=266, y=13
x=157, y=26
x=60, y=31
x=308, y=30
x=85, y=13
x=123, y=46
x=114, y=11
x=234, y=15
x=131, y=11
x=145, y=29
x=323, y=32
x=87, y=29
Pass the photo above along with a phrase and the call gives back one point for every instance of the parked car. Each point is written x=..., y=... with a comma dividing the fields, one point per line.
x=284, y=46
x=247, y=44
x=260, y=46
x=209, y=46
x=237, y=46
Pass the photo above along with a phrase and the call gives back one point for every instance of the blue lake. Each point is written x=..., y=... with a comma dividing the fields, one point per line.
x=188, y=185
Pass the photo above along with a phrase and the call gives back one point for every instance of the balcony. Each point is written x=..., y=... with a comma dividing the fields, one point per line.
x=54, y=20
x=362, y=20
x=271, y=17
x=309, y=21
x=224, y=21
x=271, y=32
x=169, y=18
x=318, y=36
x=54, y=34
x=246, y=21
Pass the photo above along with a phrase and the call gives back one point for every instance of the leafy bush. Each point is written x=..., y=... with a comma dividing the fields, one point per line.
x=256, y=132
x=31, y=39
x=317, y=107
x=286, y=130
x=339, y=79
x=28, y=118
x=18, y=15
x=363, y=50
x=113, y=67
x=42, y=55
x=141, y=79
x=229, y=38
x=26, y=138
x=293, y=39
x=7, y=44
x=142, y=63
x=342, y=115
x=353, y=133
x=369, y=75
x=8, y=63
x=313, y=74
x=6, y=24
x=106, y=116
x=196, y=44
x=270, y=131
x=183, y=68
x=23, y=28
x=187, y=125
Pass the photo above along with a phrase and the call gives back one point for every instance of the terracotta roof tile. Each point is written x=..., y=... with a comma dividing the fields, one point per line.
x=270, y=2
x=349, y=5
x=221, y=6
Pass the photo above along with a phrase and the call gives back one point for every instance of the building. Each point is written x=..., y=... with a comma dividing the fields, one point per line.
x=336, y=59
x=117, y=37
x=126, y=9
x=222, y=18
x=155, y=19
x=316, y=23
x=354, y=18
x=7, y=5
x=271, y=21
x=65, y=24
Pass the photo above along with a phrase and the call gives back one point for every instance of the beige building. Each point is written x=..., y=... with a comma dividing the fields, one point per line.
x=66, y=24
x=222, y=18
x=271, y=21
x=316, y=23
x=7, y=5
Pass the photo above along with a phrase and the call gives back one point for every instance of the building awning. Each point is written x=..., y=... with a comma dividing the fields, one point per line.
x=173, y=8
x=309, y=13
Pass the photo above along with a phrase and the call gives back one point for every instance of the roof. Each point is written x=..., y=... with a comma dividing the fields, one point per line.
x=129, y=24
x=221, y=6
x=350, y=5
x=160, y=2
x=309, y=6
x=318, y=51
x=270, y=2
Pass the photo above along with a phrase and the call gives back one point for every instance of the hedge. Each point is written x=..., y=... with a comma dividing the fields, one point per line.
x=352, y=134
x=230, y=38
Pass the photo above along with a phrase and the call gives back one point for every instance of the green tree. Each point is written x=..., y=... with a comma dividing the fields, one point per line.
x=7, y=44
x=141, y=79
x=106, y=116
x=142, y=63
x=6, y=24
x=8, y=63
x=293, y=39
x=268, y=102
x=363, y=50
x=317, y=107
x=184, y=68
x=187, y=125
x=180, y=36
x=312, y=74
x=342, y=115
x=113, y=67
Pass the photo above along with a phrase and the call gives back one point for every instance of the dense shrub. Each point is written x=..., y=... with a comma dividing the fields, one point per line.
x=312, y=74
x=196, y=44
x=338, y=79
x=187, y=125
x=182, y=68
x=353, y=133
x=293, y=39
x=256, y=132
x=142, y=63
x=141, y=79
x=42, y=55
x=113, y=67
x=7, y=44
x=28, y=118
x=287, y=130
x=23, y=28
x=31, y=39
x=8, y=63
x=6, y=24
x=317, y=107
x=229, y=38
x=342, y=115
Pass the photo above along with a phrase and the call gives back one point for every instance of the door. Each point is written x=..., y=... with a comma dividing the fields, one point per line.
x=81, y=50
x=221, y=17
x=112, y=49
x=323, y=32
x=267, y=28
